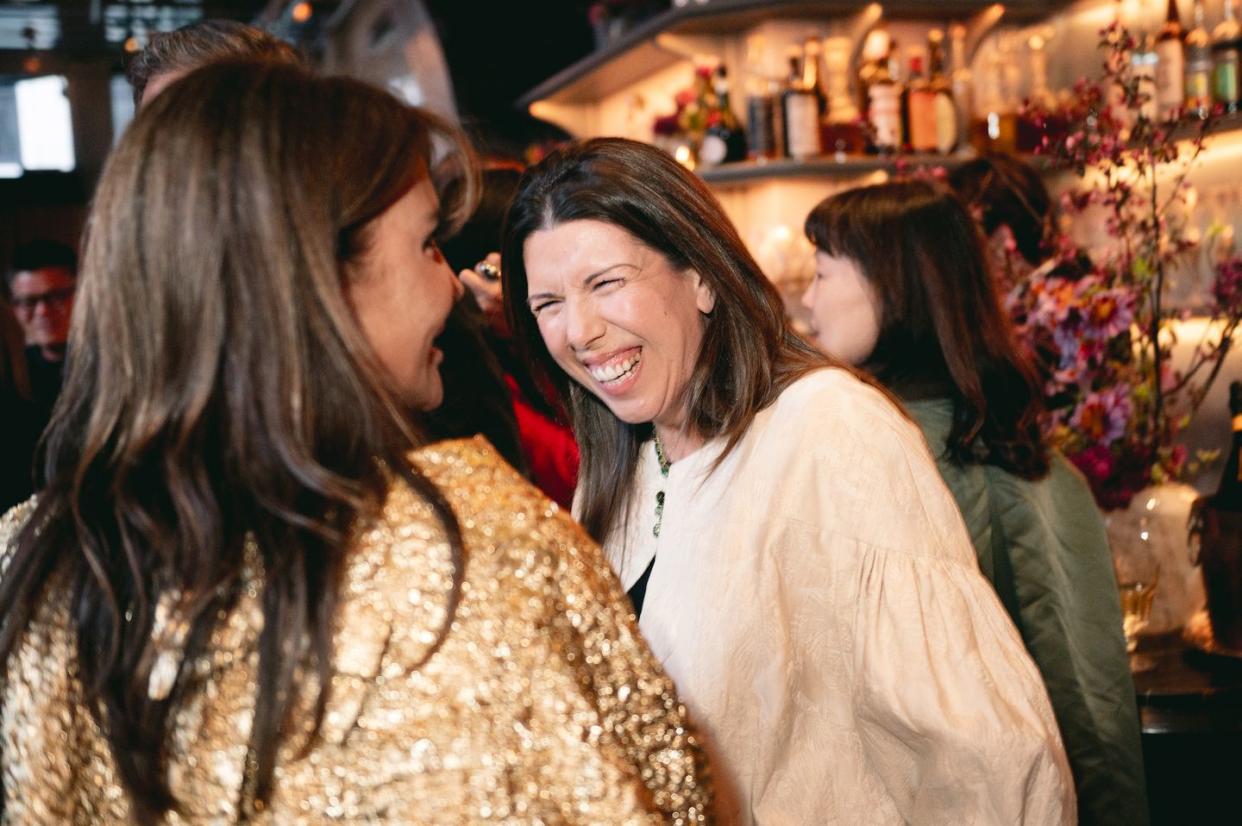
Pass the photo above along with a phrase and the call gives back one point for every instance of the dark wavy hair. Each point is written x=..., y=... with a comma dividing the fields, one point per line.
x=749, y=353
x=942, y=330
x=1007, y=191
x=220, y=391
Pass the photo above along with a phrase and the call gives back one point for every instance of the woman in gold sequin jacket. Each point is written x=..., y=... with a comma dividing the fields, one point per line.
x=246, y=593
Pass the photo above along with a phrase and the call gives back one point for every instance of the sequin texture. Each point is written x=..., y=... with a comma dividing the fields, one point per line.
x=544, y=704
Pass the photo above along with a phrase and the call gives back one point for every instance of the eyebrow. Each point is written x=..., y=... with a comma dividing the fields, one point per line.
x=586, y=282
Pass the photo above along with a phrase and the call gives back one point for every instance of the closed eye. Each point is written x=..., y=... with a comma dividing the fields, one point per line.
x=604, y=282
x=539, y=306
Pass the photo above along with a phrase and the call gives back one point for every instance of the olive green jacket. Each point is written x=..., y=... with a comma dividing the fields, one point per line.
x=1043, y=546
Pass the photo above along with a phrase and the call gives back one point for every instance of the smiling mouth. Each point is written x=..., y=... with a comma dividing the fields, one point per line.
x=616, y=370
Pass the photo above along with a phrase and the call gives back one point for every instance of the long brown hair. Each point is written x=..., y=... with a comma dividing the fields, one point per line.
x=749, y=353
x=220, y=393
x=942, y=329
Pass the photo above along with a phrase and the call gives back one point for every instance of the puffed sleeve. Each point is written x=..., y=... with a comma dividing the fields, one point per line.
x=637, y=701
x=952, y=716
x=952, y=713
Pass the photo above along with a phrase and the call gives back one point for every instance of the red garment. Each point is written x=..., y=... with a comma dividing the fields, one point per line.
x=550, y=450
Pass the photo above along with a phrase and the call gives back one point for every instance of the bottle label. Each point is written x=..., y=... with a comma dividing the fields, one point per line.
x=1226, y=77
x=802, y=125
x=1144, y=66
x=1199, y=87
x=923, y=120
x=947, y=132
x=886, y=115
x=1170, y=71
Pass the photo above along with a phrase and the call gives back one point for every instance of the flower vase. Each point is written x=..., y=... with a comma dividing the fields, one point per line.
x=1156, y=526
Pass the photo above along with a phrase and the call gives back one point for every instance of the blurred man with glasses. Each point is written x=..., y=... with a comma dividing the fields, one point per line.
x=41, y=282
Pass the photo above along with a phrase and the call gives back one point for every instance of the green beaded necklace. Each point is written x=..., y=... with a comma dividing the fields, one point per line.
x=665, y=464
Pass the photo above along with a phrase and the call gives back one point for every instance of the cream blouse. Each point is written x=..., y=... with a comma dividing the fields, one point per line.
x=817, y=601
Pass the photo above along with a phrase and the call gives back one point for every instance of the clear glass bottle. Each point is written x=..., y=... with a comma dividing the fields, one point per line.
x=961, y=82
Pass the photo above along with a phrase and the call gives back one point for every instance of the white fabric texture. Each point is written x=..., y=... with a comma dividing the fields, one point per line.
x=818, y=603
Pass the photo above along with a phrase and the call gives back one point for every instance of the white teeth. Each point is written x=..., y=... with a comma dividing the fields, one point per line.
x=614, y=370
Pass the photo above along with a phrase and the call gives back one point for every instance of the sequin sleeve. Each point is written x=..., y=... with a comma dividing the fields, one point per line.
x=10, y=525
x=636, y=702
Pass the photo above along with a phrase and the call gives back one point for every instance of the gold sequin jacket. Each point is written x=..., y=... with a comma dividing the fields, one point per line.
x=543, y=705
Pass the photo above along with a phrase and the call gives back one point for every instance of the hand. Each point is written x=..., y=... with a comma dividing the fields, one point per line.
x=486, y=291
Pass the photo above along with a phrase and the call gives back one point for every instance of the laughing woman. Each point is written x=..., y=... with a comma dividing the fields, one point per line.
x=798, y=565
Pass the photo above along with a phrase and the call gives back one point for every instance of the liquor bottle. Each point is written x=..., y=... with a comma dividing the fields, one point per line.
x=1041, y=119
x=1198, y=67
x=764, y=137
x=944, y=106
x=884, y=111
x=1216, y=521
x=1226, y=49
x=1228, y=495
x=961, y=82
x=874, y=52
x=1143, y=64
x=840, y=133
x=813, y=73
x=1170, y=65
x=724, y=141
x=920, y=108
x=801, y=112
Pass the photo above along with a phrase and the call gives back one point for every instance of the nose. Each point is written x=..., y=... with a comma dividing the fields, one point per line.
x=582, y=323
x=808, y=295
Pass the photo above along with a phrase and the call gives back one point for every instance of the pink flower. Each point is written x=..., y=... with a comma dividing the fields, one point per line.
x=1096, y=463
x=1101, y=418
x=1227, y=289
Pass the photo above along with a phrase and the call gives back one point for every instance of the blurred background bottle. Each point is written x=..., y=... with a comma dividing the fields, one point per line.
x=1198, y=67
x=1226, y=42
x=884, y=110
x=841, y=132
x=944, y=105
x=800, y=108
x=1170, y=64
x=962, y=83
x=919, y=107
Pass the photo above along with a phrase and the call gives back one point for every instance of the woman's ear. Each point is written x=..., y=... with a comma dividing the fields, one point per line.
x=704, y=295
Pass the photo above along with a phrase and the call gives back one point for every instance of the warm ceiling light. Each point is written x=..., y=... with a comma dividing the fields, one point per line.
x=301, y=12
x=131, y=44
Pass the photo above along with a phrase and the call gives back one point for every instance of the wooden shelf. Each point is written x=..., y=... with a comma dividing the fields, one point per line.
x=1224, y=124
x=824, y=167
x=829, y=167
x=638, y=53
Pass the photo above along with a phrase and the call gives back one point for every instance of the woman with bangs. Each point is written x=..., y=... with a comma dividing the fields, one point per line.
x=902, y=290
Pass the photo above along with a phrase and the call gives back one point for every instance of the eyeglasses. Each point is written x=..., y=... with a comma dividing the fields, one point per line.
x=56, y=299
